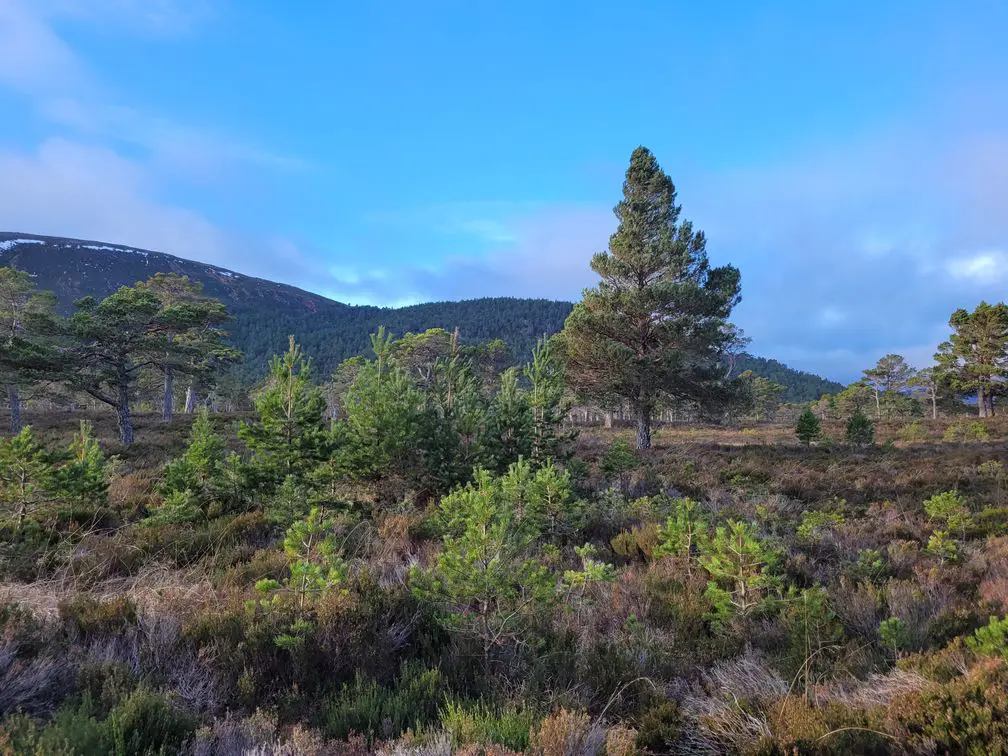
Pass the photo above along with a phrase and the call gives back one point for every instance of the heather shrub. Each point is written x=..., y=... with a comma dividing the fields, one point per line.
x=566, y=733
x=968, y=715
x=966, y=432
x=639, y=542
x=659, y=727
x=367, y=708
x=621, y=740
x=913, y=433
x=90, y=617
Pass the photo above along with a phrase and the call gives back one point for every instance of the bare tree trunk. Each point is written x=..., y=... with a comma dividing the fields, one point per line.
x=982, y=402
x=14, y=398
x=608, y=418
x=22, y=511
x=169, y=394
x=123, y=415
x=934, y=405
x=190, y=400
x=878, y=406
x=643, y=428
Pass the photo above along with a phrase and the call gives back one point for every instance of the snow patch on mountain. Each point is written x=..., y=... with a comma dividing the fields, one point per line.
x=11, y=243
x=115, y=249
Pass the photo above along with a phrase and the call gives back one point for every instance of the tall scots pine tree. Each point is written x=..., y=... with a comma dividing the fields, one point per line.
x=974, y=361
x=193, y=334
x=656, y=326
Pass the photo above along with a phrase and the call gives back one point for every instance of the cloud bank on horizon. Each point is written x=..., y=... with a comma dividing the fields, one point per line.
x=393, y=156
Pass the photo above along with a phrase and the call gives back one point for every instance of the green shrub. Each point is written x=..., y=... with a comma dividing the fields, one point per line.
x=659, y=727
x=617, y=462
x=479, y=723
x=373, y=710
x=943, y=547
x=895, y=634
x=89, y=616
x=72, y=731
x=815, y=524
x=144, y=724
x=991, y=639
x=743, y=570
x=966, y=432
x=950, y=507
x=870, y=564
x=913, y=432
x=148, y=723
x=684, y=533
x=105, y=685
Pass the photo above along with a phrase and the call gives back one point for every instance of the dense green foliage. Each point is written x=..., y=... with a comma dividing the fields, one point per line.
x=656, y=325
x=807, y=429
x=860, y=430
x=975, y=358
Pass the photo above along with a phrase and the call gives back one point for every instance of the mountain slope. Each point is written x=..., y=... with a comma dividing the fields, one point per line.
x=267, y=312
x=75, y=268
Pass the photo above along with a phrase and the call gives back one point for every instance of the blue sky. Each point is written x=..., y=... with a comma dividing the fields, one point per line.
x=851, y=158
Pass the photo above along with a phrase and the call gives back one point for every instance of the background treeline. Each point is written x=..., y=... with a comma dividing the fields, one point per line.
x=265, y=313
x=332, y=337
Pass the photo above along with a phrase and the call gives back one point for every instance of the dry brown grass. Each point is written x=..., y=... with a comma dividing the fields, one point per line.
x=152, y=588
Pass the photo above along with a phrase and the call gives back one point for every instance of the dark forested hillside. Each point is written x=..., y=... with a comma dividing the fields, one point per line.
x=75, y=268
x=267, y=312
x=331, y=336
x=799, y=386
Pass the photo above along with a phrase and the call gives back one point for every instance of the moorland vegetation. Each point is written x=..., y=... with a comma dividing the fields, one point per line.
x=435, y=551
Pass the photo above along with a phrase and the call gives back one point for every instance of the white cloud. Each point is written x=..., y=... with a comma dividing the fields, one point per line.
x=541, y=252
x=178, y=149
x=83, y=191
x=830, y=316
x=71, y=189
x=981, y=267
x=35, y=61
x=33, y=58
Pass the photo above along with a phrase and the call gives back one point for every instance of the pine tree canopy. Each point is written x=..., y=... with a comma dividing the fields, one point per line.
x=657, y=322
